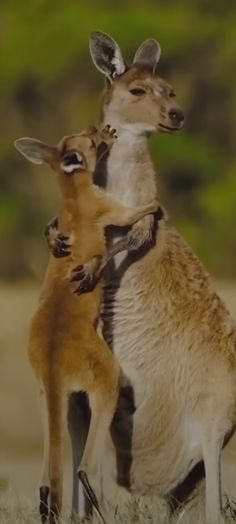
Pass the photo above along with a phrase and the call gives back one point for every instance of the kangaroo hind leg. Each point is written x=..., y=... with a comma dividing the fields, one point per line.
x=57, y=422
x=212, y=443
x=44, y=485
x=89, y=472
x=102, y=399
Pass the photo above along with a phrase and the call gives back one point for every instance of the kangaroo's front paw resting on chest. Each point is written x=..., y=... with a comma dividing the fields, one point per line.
x=87, y=276
x=59, y=245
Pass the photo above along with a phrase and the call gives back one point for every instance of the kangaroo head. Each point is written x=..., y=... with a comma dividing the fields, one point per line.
x=135, y=97
x=73, y=159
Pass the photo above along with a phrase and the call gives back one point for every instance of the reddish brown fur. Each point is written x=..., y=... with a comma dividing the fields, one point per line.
x=64, y=349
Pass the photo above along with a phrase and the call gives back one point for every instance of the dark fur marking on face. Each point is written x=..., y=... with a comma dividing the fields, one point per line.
x=70, y=158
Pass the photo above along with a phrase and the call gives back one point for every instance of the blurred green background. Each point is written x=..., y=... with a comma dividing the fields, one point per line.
x=49, y=87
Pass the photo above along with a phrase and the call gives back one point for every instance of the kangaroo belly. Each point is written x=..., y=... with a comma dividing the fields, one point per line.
x=156, y=463
x=155, y=447
x=162, y=468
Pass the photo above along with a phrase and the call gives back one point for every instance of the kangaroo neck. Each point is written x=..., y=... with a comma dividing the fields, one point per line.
x=78, y=206
x=130, y=173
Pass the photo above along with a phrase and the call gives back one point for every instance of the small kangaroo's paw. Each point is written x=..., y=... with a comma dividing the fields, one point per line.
x=87, y=275
x=108, y=135
x=61, y=246
x=43, y=503
x=87, y=281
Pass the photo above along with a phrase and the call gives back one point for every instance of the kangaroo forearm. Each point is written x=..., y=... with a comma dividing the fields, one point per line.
x=118, y=247
x=139, y=240
x=52, y=236
x=143, y=234
x=119, y=215
x=136, y=214
x=90, y=274
x=51, y=229
x=59, y=245
x=132, y=241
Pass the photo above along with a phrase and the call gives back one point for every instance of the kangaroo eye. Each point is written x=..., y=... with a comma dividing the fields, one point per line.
x=71, y=162
x=137, y=91
x=172, y=94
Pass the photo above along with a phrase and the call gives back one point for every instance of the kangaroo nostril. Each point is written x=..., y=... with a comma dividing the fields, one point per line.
x=176, y=115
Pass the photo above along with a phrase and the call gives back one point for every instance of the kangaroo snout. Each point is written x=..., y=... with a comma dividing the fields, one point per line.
x=176, y=116
x=71, y=162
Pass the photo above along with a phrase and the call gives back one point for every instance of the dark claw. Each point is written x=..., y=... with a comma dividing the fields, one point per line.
x=60, y=247
x=87, y=285
x=78, y=268
x=83, y=288
x=43, y=504
x=60, y=252
x=90, y=493
x=63, y=237
x=78, y=276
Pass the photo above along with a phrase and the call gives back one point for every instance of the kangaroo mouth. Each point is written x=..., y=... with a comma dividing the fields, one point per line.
x=169, y=129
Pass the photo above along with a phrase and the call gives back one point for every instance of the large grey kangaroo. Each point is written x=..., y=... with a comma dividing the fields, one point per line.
x=172, y=334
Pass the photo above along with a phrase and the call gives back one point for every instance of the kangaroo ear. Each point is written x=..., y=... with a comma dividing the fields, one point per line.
x=34, y=150
x=148, y=54
x=106, y=55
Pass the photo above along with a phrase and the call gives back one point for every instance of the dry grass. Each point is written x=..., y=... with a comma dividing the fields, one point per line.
x=19, y=510
x=20, y=433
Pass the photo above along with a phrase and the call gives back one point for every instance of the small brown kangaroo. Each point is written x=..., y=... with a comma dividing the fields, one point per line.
x=65, y=350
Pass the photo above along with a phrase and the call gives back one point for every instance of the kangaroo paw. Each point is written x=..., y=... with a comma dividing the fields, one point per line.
x=90, y=493
x=43, y=503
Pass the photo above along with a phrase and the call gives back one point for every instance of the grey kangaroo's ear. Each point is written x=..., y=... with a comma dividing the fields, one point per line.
x=148, y=54
x=35, y=151
x=106, y=55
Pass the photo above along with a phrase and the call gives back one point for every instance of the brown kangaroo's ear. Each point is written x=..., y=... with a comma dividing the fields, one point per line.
x=148, y=54
x=35, y=151
x=106, y=55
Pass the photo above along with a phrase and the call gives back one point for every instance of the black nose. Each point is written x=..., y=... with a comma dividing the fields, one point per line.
x=176, y=115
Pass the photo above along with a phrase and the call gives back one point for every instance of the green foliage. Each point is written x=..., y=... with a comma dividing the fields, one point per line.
x=49, y=87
